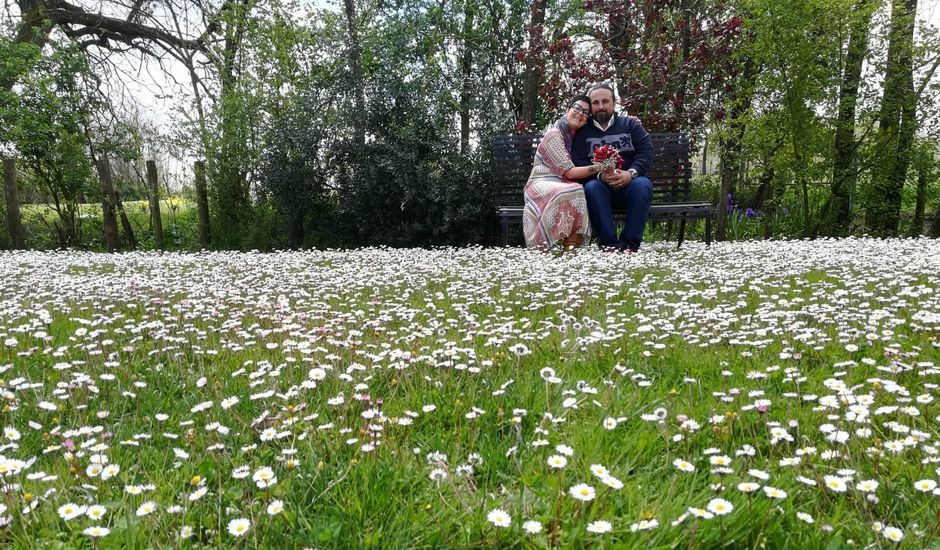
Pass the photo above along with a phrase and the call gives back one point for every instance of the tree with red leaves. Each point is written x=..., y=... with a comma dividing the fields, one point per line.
x=670, y=59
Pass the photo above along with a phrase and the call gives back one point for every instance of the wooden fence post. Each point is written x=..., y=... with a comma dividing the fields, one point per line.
x=202, y=203
x=153, y=190
x=14, y=222
x=112, y=239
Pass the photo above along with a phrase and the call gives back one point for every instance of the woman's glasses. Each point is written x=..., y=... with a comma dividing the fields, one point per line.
x=586, y=113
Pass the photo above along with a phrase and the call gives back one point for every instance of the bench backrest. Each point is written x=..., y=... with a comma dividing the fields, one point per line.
x=671, y=172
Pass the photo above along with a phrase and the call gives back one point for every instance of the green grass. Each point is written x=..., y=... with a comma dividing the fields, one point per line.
x=695, y=333
x=178, y=216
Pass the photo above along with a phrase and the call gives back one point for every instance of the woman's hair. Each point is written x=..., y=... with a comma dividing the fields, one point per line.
x=578, y=98
x=562, y=122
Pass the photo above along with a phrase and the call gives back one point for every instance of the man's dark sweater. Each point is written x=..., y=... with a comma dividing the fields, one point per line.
x=625, y=133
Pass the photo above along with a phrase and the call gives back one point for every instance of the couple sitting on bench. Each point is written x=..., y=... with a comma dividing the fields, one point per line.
x=568, y=196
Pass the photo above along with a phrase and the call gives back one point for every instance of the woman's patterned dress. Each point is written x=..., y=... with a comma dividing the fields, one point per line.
x=554, y=206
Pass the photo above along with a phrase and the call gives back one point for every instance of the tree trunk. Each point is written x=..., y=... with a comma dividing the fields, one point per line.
x=730, y=143
x=14, y=222
x=896, y=123
x=765, y=189
x=530, y=88
x=227, y=179
x=129, y=239
x=924, y=162
x=765, y=195
x=837, y=213
x=935, y=225
x=466, y=73
x=153, y=192
x=202, y=203
x=112, y=238
x=799, y=115
x=906, y=133
x=685, y=42
x=729, y=164
x=295, y=232
x=33, y=29
x=705, y=156
x=355, y=68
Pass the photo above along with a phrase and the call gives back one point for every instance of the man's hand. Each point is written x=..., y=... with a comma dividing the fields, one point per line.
x=617, y=179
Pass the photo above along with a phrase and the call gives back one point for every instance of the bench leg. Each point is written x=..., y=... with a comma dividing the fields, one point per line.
x=503, y=232
x=681, y=233
x=708, y=231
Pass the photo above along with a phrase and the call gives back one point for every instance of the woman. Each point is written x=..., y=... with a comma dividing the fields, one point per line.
x=555, y=208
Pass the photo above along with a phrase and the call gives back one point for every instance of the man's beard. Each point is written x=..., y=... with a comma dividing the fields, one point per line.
x=602, y=117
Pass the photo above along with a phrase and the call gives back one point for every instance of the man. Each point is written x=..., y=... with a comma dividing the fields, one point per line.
x=627, y=187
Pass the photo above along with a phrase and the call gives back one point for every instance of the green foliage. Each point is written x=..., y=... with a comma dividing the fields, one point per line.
x=275, y=114
x=292, y=173
x=257, y=65
x=179, y=225
x=408, y=184
x=45, y=120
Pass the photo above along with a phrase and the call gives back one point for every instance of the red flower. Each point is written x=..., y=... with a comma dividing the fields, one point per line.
x=606, y=153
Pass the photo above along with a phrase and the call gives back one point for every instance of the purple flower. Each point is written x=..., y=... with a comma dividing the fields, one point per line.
x=750, y=213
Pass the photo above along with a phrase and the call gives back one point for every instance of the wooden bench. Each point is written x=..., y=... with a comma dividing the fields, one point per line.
x=671, y=174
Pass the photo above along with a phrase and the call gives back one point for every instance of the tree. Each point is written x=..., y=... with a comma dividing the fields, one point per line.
x=293, y=174
x=466, y=73
x=731, y=138
x=45, y=119
x=897, y=123
x=230, y=199
x=836, y=215
x=925, y=165
x=356, y=81
x=670, y=57
x=534, y=68
x=140, y=29
x=501, y=58
x=242, y=78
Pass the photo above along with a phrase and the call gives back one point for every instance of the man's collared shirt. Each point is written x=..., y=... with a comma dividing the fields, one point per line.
x=609, y=122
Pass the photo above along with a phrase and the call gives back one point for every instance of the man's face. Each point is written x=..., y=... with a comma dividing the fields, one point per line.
x=602, y=105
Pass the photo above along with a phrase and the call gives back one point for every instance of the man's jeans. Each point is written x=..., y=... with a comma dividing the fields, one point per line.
x=635, y=198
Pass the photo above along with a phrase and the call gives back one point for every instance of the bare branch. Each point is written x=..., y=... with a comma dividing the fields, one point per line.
x=63, y=13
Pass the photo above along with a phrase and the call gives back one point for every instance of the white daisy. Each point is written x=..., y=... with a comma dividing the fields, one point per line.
x=719, y=506
x=582, y=492
x=600, y=526
x=238, y=527
x=499, y=518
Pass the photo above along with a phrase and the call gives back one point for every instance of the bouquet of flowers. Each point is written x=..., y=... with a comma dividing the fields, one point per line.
x=607, y=158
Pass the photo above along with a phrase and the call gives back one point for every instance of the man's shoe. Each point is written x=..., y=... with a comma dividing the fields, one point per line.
x=631, y=246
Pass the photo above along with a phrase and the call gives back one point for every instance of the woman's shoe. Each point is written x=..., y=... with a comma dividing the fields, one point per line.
x=572, y=242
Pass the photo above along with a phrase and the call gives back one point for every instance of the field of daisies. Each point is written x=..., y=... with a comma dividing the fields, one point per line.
x=758, y=394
